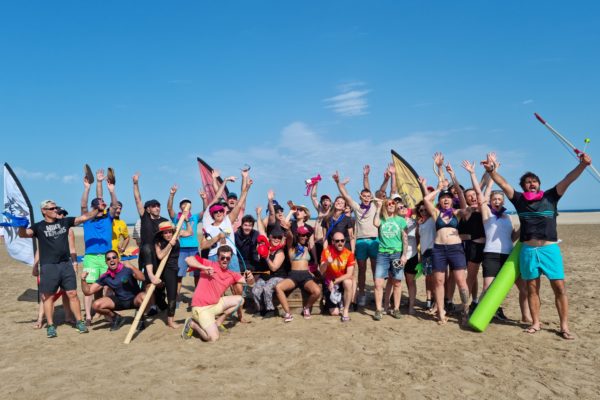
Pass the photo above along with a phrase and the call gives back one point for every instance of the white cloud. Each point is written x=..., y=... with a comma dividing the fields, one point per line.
x=43, y=176
x=69, y=178
x=528, y=101
x=350, y=102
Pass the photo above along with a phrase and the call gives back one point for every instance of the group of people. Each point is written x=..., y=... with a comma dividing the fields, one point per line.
x=260, y=259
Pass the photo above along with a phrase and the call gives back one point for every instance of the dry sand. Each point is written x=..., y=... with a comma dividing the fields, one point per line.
x=410, y=358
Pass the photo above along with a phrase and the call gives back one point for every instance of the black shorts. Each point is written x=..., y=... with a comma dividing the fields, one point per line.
x=122, y=304
x=474, y=251
x=411, y=265
x=300, y=278
x=492, y=262
x=53, y=276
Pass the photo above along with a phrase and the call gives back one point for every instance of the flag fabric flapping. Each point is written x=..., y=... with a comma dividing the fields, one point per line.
x=17, y=212
x=407, y=181
x=207, y=181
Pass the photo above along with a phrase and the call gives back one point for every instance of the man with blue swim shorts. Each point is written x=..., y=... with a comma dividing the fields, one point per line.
x=367, y=244
x=540, y=254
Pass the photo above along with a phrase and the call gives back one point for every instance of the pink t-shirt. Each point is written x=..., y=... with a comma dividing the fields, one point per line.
x=211, y=288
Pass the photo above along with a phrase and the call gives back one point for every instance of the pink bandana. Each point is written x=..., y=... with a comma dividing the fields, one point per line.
x=530, y=196
x=113, y=272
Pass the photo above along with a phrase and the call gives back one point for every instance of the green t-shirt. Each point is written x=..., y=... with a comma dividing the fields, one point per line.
x=390, y=234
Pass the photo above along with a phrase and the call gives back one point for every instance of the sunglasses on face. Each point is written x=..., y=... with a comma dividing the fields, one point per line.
x=224, y=258
x=422, y=210
x=277, y=237
x=219, y=212
x=339, y=240
x=50, y=208
x=112, y=258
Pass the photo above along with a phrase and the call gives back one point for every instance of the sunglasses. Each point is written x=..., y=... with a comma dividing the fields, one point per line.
x=339, y=241
x=401, y=207
x=218, y=212
x=277, y=237
x=303, y=235
x=422, y=210
x=112, y=258
x=51, y=208
x=224, y=258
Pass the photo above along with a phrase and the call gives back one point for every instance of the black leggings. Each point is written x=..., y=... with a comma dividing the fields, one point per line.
x=169, y=277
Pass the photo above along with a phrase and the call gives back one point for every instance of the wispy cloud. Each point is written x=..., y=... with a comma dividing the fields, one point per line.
x=43, y=176
x=351, y=102
x=528, y=101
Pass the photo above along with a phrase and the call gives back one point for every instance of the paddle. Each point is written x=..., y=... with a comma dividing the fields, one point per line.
x=152, y=286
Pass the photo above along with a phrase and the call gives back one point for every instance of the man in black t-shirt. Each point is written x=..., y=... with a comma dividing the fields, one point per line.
x=56, y=269
x=540, y=253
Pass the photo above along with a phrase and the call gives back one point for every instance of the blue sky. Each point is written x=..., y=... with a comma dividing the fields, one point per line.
x=292, y=89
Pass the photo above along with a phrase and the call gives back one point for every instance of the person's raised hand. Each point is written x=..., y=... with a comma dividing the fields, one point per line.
x=469, y=166
x=366, y=170
x=136, y=178
x=100, y=175
x=173, y=190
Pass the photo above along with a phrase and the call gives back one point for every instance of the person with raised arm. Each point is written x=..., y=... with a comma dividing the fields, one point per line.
x=323, y=206
x=499, y=234
x=425, y=238
x=97, y=235
x=447, y=248
x=299, y=276
x=391, y=257
x=56, y=269
x=367, y=243
x=540, y=253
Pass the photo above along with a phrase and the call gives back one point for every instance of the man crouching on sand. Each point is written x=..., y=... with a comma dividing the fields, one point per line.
x=209, y=309
x=122, y=279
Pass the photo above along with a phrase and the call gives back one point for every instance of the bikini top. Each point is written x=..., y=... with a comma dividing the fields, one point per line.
x=301, y=254
x=440, y=223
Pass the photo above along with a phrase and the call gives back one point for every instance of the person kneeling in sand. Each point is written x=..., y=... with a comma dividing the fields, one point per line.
x=337, y=266
x=209, y=309
x=121, y=278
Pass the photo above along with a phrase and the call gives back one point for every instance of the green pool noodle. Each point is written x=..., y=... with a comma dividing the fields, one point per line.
x=497, y=292
x=419, y=269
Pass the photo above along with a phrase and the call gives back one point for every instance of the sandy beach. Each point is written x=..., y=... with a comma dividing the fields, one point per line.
x=410, y=358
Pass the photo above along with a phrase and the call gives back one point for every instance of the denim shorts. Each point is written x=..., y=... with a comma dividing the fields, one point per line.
x=185, y=252
x=385, y=266
x=445, y=255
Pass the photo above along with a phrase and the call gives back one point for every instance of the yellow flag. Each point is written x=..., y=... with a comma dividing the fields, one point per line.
x=407, y=181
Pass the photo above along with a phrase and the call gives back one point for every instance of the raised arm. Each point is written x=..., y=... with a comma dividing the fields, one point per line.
x=490, y=164
x=85, y=196
x=384, y=184
x=313, y=197
x=220, y=190
x=172, y=192
x=366, y=172
x=99, y=178
x=136, y=194
x=429, y=198
x=233, y=215
x=376, y=217
x=461, y=195
x=392, y=171
x=484, y=208
x=342, y=188
x=584, y=161
x=259, y=222
x=87, y=216
x=270, y=197
x=114, y=203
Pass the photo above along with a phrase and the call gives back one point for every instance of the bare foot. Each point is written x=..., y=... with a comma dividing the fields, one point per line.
x=443, y=320
x=38, y=324
x=532, y=330
x=173, y=325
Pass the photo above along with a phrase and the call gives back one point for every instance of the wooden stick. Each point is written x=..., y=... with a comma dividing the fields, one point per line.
x=152, y=286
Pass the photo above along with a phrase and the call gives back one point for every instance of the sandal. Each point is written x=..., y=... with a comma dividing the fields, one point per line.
x=344, y=319
x=566, y=335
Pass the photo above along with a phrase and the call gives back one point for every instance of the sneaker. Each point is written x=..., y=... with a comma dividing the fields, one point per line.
x=51, y=331
x=378, y=315
x=288, y=317
x=223, y=328
x=361, y=300
x=472, y=308
x=396, y=314
x=117, y=323
x=306, y=313
x=270, y=314
x=153, y=311
x=449, y=306
x=81, y=327
x=187, y=331
x=141, y=325
x=500, y=315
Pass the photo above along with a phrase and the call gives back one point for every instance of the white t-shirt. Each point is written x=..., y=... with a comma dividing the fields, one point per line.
x=364, y=220
x=498, y=235
x=427, y=234
x=213, y=231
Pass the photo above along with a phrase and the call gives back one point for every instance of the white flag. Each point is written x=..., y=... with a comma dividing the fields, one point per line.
x=16, y=203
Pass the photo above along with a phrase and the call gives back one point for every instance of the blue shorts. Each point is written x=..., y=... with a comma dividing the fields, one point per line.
x=234, y=264
x=385, y=266
x=546, y=260
x=184, y=253
x=445, y=255
x=366, y=248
